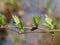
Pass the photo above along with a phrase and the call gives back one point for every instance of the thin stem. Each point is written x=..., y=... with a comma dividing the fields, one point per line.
x=41, y=30
x=19, y=32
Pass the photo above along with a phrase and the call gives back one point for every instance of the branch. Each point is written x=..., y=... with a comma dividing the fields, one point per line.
x=41, y=30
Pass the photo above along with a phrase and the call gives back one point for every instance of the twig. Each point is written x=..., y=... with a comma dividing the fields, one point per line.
x=45, y=31
x=41, y=30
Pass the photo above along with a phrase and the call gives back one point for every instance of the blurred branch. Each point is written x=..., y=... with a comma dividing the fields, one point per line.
x=41, y=30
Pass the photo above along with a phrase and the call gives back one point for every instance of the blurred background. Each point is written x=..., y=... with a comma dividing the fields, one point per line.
x=25, y=9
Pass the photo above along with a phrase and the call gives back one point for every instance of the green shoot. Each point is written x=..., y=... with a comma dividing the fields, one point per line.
x=18, y=23
x=2, y=20
x=49, y=23
x=36, y=20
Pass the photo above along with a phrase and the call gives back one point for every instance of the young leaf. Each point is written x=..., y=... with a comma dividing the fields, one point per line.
x=18, y=23
x=48, y=20
x=16, y=19
x=2, y=21
x=46, y=25
x=20, y=26
x=35, y=20
x=39, y=19
x=49, y=23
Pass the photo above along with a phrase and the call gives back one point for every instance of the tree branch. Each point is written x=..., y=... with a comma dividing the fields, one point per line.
x=40, y=30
